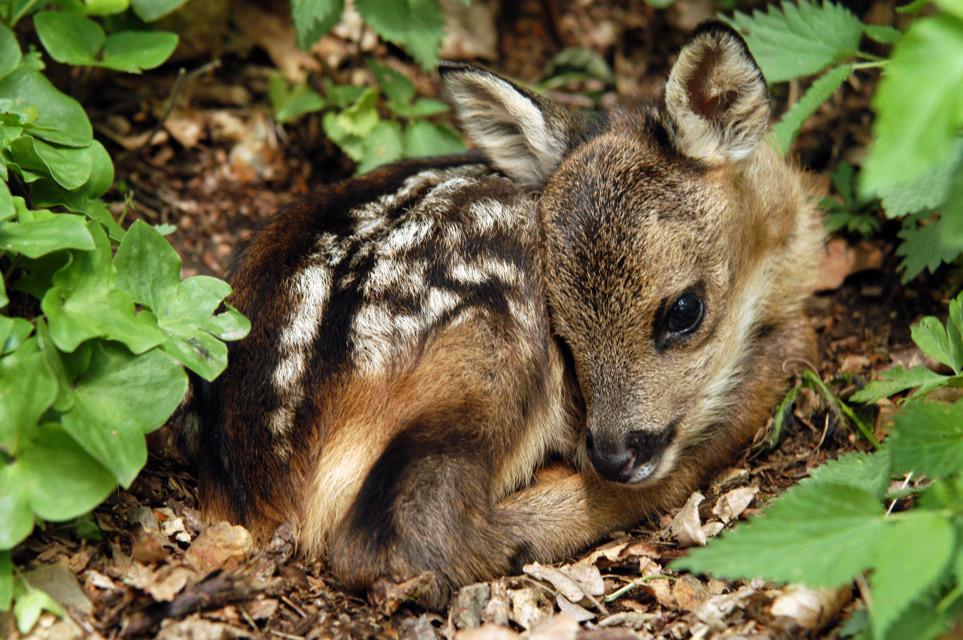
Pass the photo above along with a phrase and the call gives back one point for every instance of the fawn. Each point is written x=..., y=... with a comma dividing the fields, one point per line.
x=620, y=293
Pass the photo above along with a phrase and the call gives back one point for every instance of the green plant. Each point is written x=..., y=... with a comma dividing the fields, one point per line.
x=96, y=324
x=417, y=26
x=914, y=163
x=372, y=125
x=849, y=211
x=833, y=527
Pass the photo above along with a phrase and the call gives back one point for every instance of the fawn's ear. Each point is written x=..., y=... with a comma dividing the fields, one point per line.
x=521, y=134
x=716, y=96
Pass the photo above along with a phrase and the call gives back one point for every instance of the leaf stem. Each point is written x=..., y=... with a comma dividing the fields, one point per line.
x=875, y=64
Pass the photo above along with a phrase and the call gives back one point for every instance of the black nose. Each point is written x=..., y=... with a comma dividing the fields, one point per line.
x=628, y=458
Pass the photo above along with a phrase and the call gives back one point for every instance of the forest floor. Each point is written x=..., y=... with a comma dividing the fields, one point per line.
x=203, y=154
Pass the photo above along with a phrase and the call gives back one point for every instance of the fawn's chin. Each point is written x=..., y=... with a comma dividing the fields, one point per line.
x=653, y=471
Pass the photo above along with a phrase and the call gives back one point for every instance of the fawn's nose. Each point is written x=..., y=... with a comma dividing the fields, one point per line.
x=630, y=457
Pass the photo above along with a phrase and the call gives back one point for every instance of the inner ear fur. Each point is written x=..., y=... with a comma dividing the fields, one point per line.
x=717, y=97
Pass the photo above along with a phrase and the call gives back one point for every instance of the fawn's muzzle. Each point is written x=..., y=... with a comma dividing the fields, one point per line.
x=628, y=457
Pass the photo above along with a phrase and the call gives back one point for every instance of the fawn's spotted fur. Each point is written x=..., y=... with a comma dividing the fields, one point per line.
x=427, y=337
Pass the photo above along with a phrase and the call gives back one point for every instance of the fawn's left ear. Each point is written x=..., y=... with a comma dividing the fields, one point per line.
x=716, y=96
x=523, y=135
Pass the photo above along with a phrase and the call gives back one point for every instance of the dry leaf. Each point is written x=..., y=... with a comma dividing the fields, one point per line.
x=469, y=604
x=488, y=632
x=528, y=608
x=565, y=585
x=731, y=505
x=59, y=582
x=686, y=527
x=498, y=609
x=810, y=608
x=388, y=596
x=689, y=592
x=560, y=627
x=712, y=529
x=219, y=546
x=588, y=577
x=262, y=608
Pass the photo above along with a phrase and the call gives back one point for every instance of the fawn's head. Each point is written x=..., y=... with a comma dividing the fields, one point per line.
x=665, y=229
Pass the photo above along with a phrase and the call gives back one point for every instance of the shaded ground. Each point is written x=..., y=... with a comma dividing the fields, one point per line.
x=212, y=163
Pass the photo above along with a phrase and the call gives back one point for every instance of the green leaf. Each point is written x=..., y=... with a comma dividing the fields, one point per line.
x=151, y=10
x=866, y=471
x=789, y=542
x=797, y=40
x=117, y=400
x=417, y=26
x=928, y=190
x=906, y=565
x=314, y=18
x=6, y=580
x=69, y=166
x=134, y=51
x=69, y=38
x=59, y=118
x=931, y=337
x=396, y=86
x=106, y=7
x=820, y=90
x=27, y=389
x=896, y=380
x=85, y=302
x=9, y=51
x=17, y=330
x=149, y=269
x=40, y=237
x=927, y=438
x=917, y=105
x=30, y=605
x=927, y=247
x=381, y=146
x=291, y=104
x=429, y=139
x=884, y=34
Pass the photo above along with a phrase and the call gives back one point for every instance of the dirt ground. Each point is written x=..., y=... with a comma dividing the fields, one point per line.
x=199, y=150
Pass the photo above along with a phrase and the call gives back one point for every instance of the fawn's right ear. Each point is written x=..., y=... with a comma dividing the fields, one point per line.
x=521, y=134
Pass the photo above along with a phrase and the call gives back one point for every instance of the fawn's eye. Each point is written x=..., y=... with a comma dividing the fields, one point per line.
x=685, y=314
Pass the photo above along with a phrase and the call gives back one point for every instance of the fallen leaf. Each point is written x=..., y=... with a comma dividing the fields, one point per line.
x=466, y=613
x=498, y=609
x=686, y=527
x=588, y=578
x=810, y=608
x=712, y=529
x=560, y=627
x=689, y=592
x=218, y=547
x=731, y=505
x=389, y=596
x=576, y=611
x=197, y=628
x=261, y=609
x=488, y=632
x=716, y=609
x=59, y=582
x=631, y=619
x=565, y=585
x=528, y=607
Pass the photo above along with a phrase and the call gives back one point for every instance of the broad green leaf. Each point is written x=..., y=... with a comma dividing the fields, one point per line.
x=396, y=86
x=314, y=18
x=16, y=518
x=917, y=105
x=820, y=90
x=6, y=580
x=896, y=380
x=17, y=331
x=381, y=146
x=59, y=118
x=86, y=302
x=27, y=389
x=149, y=269
x=883, y=34
x=417, y=26
x=342, y=95
x=911, y=555
x=927, y=438
x=134, y=51
x=431, y=139
x=151, y=10
x=795, y=40
x=920, y=621
x=120, y=398
x=291, y=104
x=867, y=471
x=28, y=607
x=106, y=7
x=70, y=167
x=6, y=202
x=789, y=542
x=927, y=247
x=54, y=363
x=928, y=190
x=951, y=6
x=40, y=237
x=69, y=38
x=9, y=51
x=930, y=336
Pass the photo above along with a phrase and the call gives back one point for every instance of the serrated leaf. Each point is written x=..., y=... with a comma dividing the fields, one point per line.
x=906, y=566
x=931, y=337
x=417, y=26
x=314, y=18
x=396, y=86
x=820, y=90
x=789, y=542
x=896, y=380
x=381, y=146
x=917, y=105
x=291, y=105
x=117, y=400
x=149, y=269
x=927, y=247
x=40, y=237
x=795, y=40
x=927, y=438
x=151, y=10
x=69, y=38
x=134, y=51
x=9, y=51
x=928, y=190
x=884, y=34
x=59, y=118
x=431, y=139
x=27, y=389
x=867, y=471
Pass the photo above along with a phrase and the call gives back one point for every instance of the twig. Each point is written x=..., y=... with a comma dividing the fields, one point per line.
x=182, y=75
x=905, y=484
x=621, y=591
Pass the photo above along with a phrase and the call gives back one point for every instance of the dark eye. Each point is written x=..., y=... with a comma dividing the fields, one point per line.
x=685, y=314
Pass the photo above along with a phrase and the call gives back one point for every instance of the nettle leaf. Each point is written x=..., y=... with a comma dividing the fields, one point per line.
x=314, y=18
x=86, y=302
x=417, y=26
x=795, y=40
x=927, y=438
x=396, y=86
x=151, y=10
x=27, y=389
x=884, y=34
x=820, y=90
x=917, y=105
x=117, y=400
x=59, y=118
x=291, y=104
x=430, y=138
x=149, y=269
x=867, y=471
x=381, y=146
x=45, y=235
x=906, y=566
x=931, y=337
x=134, y=51
x=926, y=246
x=788, y=542
x=9, y=51
x=928, y=190
x=896, y=380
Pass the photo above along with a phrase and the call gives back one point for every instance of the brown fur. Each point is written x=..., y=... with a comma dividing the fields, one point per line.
x=428, y=337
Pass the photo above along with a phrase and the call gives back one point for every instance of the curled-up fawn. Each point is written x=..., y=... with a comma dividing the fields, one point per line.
x=618, y=292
